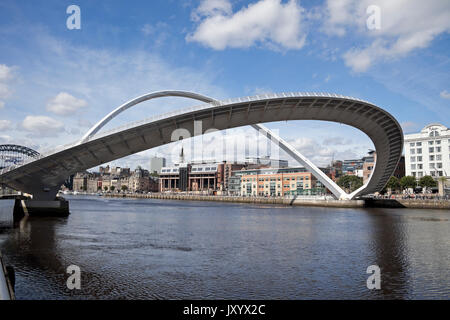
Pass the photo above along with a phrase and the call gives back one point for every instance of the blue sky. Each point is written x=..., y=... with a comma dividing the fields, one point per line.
x=56, y=82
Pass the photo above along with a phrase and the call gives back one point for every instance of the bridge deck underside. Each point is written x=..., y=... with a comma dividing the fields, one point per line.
x=380, y=126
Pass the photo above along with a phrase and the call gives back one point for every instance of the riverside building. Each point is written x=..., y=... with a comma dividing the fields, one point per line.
x=276, y=182
x=211, y=177
x=428, y=152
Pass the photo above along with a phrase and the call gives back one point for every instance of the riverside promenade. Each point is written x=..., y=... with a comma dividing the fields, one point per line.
x=316, y=202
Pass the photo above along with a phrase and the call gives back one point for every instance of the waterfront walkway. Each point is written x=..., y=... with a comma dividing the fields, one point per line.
x=297, y=201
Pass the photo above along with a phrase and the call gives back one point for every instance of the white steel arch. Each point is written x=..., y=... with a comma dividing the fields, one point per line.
x=158, y=94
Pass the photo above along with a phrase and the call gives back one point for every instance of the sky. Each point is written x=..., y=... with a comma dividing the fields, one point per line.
x=57, y=80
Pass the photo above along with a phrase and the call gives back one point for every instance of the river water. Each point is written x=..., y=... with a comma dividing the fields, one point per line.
x=162, y=249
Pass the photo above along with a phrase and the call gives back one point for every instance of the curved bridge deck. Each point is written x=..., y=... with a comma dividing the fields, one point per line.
x=45, y=175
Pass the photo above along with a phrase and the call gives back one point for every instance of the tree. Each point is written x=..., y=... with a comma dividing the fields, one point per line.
x=154, y=174
x=105, y=188
x=427, y=182
x=124, y=188
x=112, y=188
x=393, y=183
x=408, y=182
x=443, y=179
x=350, y=183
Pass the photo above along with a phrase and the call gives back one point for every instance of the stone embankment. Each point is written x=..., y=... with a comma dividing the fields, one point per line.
x=319, y=202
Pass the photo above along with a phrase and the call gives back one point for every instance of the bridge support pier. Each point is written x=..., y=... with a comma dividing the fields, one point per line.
x=38, y=208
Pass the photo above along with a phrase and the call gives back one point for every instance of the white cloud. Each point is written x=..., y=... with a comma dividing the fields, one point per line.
x=104, y=79
x=5, y=125
x=445, y=94
x=149, y=29
x=262, y=90
x=338, y=15
x=267, y=22
x=312, y=149
x=408, y=126
x=42, y=125
x=336, y=141
x=65, y=104
x=210, y=8
x=406, y=25
x=5, y=138
x=84, y=123
x=6, y=74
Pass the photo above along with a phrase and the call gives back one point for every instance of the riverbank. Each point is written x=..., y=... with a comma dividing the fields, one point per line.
x=331, y=203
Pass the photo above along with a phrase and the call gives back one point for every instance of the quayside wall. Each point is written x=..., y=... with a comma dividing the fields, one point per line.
x=368, y=203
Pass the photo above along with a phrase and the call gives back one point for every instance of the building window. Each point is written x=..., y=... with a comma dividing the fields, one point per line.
x=439, y=165
x=419, y=150
x=413, y=159
x=419, y=158
x=439, y=157
x=420, y=166
x=438, y=149
x=438, y=141
x=412, y=151
x=430, y=143
x=431, y=158
x=420, y=174
x=411, y=144
x=431, y=150
x=414, y=174
x=419, y=144
x=431, y=165
x=434, y=133
x=413, y=167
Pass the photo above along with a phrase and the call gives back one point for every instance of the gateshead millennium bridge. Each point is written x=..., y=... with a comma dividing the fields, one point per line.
x=43, y=175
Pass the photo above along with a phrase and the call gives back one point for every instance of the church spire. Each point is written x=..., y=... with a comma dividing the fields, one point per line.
x=182, y=155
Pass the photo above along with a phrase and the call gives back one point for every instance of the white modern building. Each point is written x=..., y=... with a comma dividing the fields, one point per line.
x=156, y=163
x=428, y=152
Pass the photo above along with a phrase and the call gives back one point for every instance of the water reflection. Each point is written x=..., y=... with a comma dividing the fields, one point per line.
x=389, y=244
x=158, y=249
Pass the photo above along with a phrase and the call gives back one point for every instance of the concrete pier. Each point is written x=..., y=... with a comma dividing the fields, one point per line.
x=37, y=208
x=6, y=287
